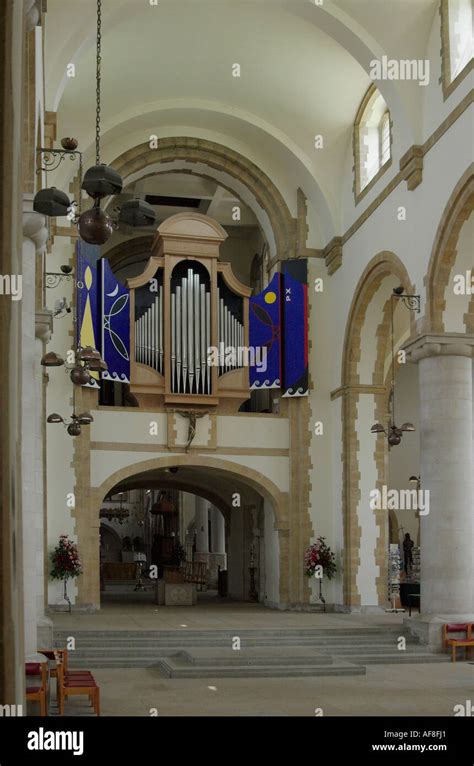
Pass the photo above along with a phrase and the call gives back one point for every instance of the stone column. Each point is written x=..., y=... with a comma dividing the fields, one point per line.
x=217, y=531
x=447, y=470
x=202, y=529
x=35, y=235
x=217, y=556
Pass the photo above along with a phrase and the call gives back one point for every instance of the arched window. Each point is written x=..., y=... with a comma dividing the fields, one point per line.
x=457, y=42
x=372, y=142
x=385, y=138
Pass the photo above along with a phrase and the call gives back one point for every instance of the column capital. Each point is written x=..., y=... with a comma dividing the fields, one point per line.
x=35, y=225
x=43, y=324
x=32, y=14
x=440, y=344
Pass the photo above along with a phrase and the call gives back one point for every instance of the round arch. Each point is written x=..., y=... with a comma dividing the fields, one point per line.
x=239, y=474
x=243, y=474
x=364, y=455
x=266, y=197
x=443, y=255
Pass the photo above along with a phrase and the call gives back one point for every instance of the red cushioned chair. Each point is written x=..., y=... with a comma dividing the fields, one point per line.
x=75, y=683
x=37, y=693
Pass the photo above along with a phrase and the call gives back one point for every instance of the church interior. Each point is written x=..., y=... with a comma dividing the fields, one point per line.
x=237, y=325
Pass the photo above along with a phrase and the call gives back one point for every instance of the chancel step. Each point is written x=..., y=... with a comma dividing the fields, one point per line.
x=263, y=653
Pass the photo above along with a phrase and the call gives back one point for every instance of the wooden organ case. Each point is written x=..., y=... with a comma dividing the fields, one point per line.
x=185, y=304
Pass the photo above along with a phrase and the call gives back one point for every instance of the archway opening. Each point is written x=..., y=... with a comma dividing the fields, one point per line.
x=188, y=535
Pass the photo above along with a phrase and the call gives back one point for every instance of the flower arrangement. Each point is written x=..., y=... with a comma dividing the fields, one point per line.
x=320, y=555
x=65, y=560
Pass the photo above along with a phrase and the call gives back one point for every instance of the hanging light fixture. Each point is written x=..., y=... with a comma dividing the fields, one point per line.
x=73, y=425
x=393, y=432
x=95, y=226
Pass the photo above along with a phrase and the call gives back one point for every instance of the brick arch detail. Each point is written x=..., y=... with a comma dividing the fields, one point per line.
x=443, y=255
x=279, y=500
x=226, y=160
x=382, y=266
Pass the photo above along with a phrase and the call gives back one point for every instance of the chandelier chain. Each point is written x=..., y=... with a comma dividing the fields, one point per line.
x=98, y=78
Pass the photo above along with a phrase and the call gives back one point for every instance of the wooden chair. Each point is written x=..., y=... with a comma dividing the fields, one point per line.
x=466, y=641
x=77, y=683
x=37, y=693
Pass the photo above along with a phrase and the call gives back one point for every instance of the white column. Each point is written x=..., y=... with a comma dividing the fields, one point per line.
x=447, y=470
x=217, y=531
x=202, y=525
x=32, y=423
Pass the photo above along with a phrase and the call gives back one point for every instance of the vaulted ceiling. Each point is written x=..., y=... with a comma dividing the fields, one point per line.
x=167, y=70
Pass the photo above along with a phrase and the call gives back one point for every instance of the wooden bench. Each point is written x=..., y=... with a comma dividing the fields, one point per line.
x=466, y=642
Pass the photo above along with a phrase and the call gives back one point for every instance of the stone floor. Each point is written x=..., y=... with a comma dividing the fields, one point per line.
x=391, y=690
x=211, y=613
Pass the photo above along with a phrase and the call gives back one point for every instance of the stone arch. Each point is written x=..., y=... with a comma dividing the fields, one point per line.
x=443, y=255
x=258, y=482
x=220, y=158
x=384, y=266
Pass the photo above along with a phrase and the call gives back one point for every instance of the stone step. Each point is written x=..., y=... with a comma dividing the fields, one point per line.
x=176, y=667
x=290, y=632
x=398, y=658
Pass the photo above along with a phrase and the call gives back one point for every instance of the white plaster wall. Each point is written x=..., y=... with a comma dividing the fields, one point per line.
x=411, y=240
x=262, y=432
x=129, y=427
x=325, y=497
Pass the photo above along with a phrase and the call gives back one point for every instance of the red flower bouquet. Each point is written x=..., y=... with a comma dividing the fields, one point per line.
x=65, y=560
x=320, y=555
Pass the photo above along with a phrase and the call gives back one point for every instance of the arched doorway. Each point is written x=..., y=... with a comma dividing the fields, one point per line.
x=224, y=519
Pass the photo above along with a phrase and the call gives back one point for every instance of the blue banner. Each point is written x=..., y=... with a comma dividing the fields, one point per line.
x=295, y=328
x=115, y=327
x=87, y=299
x=265, y=336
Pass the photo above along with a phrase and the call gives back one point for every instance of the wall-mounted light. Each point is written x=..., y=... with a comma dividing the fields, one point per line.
x=393, y=432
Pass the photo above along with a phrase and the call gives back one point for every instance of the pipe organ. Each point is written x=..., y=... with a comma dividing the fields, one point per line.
x=190, y=317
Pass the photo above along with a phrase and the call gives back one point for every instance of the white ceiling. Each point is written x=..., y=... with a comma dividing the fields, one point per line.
x=166, y=70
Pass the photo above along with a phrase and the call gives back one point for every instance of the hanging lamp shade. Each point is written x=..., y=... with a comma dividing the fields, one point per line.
x=52, y=202
x=101, y=181
x=54, y=418
x=98, y=365
x=377, y=428
x=88, y=354
x=51, y=359
x=407, y=427
x=85, y=418
x=137, y=212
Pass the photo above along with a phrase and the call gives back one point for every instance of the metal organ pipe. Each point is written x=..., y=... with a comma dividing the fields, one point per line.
x=208, y=339
x=190, y=330
x=160, y=331
x=197, y=329
x=173, y=341
x=178, y=337
x=184, y=323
